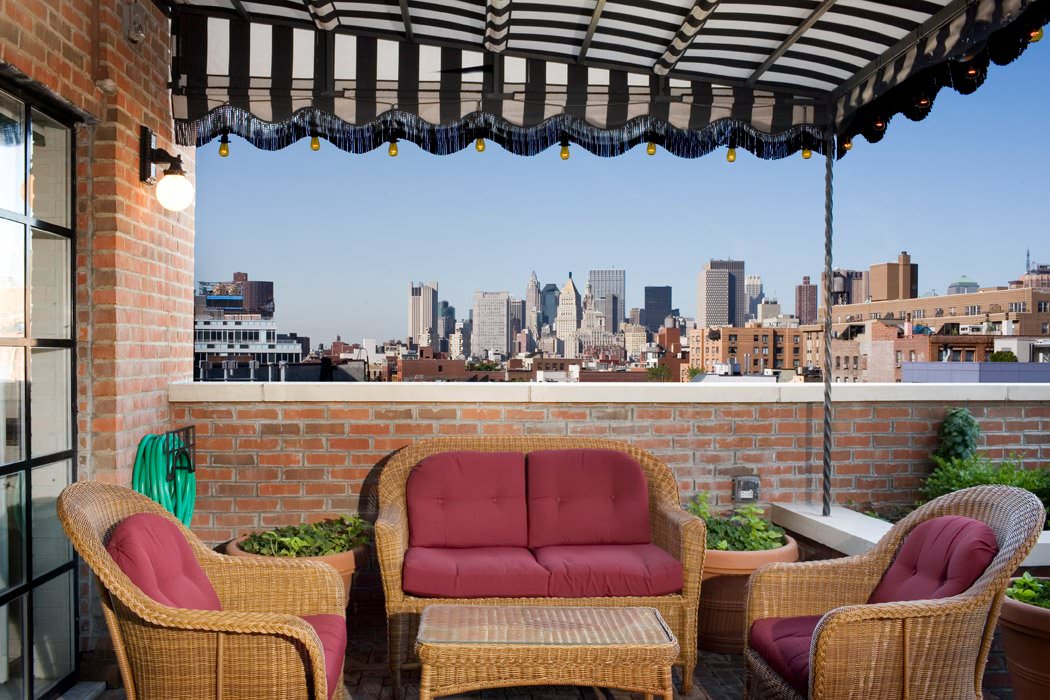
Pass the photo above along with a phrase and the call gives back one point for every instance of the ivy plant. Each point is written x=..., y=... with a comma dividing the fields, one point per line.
x=744, y=529
x=312, y=539
x=1029, y=589
x=958, y=435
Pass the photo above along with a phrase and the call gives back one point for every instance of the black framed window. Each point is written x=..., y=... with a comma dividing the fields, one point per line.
x=38, y=591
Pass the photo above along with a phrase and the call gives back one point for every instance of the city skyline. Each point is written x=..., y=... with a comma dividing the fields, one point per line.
x=340, y=239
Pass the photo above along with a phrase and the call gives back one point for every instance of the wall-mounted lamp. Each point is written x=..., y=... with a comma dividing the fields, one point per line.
x=174, y=189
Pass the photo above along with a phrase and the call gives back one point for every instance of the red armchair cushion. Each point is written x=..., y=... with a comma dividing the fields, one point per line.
x=153, y=553
x=939, y=558
x=468, y=499
x=331, y=630
x=586, y=497
x=587, y=571
x=783, y=642
x=481, y=572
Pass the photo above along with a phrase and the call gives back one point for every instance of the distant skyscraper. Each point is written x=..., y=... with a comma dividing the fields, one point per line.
x=570, y=311
x=422, y=310
x=609, y=288
x=806, y=302
x=549, y=304
x=720, y=298
x=517, y=317
x=491, y=325
x=657, y=307
x=755, y=294
x=533, y=305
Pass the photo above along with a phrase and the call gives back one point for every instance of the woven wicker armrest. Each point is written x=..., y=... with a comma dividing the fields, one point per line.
x=888, y=647
x=391, y=533
x=680, y=534
x=285, y=585
x=812, y=587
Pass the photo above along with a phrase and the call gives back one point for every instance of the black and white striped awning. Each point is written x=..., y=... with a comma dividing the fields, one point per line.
x=771, y=76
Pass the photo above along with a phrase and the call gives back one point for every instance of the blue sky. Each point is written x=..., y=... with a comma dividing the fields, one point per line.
x=341, y=235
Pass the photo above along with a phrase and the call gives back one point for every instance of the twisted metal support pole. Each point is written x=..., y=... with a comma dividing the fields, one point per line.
x=829, y=160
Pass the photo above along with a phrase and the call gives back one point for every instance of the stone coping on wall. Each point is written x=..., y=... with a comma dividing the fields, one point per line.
x=597, y=392
x=850, y=532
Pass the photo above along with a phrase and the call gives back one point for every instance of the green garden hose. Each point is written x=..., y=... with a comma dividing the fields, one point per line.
x=150, y=477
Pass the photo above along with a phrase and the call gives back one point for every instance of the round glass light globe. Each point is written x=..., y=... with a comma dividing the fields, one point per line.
x=175, y=192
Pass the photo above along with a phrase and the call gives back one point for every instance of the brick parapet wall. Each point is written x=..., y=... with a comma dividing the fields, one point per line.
x=268, y=463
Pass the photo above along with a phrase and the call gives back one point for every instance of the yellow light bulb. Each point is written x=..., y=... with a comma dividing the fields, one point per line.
x=731, y=155
x=848, y=144
x=565, y=152
x=479, y=145
x=879, y=125
x=1035, y=35
x=651, y=149
x=315, y=143
x=971, y=71
x=392, y=151
x=224, y=149
x=806, y=154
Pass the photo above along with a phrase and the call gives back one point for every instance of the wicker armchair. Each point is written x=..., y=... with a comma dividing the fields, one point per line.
x=675, y=531
x=914, y=649
x=246, y=650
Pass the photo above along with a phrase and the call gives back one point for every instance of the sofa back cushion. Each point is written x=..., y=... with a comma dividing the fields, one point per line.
x=151, y=550
x=467, y=499
x=940, y=557
x=586, y=496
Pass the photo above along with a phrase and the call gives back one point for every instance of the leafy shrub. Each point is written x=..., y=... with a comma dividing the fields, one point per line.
x=744, y=530
x=311, y=540
x=976, y=470
x=1029, y=589
x=958, y=435
x=1003, y=356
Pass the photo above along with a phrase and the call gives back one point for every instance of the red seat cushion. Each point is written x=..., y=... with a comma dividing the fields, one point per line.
x=586, y=497
x=783, y=642
x=468, y=499
x=153, y=553
x=481, y=572
x=587, y=571
x=939, y=558
x=331, y=630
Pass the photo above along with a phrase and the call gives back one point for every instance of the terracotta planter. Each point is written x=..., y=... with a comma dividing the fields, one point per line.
x=722, y=596
x=1026, y=640
x=343, y=562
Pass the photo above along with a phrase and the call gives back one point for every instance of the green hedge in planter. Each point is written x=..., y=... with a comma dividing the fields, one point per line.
x=312, y=539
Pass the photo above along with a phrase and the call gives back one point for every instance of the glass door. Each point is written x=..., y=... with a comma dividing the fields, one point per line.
x=38, y=645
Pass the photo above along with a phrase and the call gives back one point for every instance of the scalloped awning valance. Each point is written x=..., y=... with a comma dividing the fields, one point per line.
x=771, y=76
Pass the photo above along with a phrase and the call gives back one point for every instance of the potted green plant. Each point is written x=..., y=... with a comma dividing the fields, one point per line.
x=737, y=543
x=1024, y=622
x=339, y=542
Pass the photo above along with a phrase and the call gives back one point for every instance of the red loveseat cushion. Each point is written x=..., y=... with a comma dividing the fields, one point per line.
x=586, y=497
x=331, y=630
x=939, y=558
x=783, y=642
x=481, y=572
x=153, y=553
x=467, y=499
x=588, y=571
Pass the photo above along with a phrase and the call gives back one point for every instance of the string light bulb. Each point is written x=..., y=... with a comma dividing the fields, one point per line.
x=731, y=155
x=392, y=151
x=565, y=150
x=806, y=154
x=224, y=145
x=879, y=124
x=1035, y=35
x=923, y=102
x=848, y=144
x=315, y=142
x=479, y=145
x=971, y=71
x=651, y=148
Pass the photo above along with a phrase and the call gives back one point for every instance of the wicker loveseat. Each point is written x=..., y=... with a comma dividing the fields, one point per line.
x=417, y=576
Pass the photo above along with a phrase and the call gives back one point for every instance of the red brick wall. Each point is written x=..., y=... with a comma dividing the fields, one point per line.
x=263, y=464
x=134, y=260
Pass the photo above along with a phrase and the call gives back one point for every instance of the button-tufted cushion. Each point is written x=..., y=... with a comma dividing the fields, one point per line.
x=467, y=499
x=481, y=572
x=151, y=550
x=597, y=570
x=939, y=558
x=783, y=642
x=586, y=497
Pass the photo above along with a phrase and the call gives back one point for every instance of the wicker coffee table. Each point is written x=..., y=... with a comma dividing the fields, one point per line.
x=472, y=647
